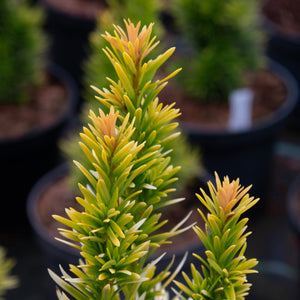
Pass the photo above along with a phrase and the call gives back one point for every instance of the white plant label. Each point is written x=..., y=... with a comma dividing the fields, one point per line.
x=240, y=109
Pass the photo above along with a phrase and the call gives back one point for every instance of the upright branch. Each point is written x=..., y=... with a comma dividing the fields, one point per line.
x=224, y=272
x=129, y=175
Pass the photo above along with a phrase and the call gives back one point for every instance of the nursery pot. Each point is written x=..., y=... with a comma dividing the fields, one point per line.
x=246, y=154
x=24, y=159
x=284, y=48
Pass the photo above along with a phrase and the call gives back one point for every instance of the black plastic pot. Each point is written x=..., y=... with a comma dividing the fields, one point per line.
x=69, y=35
x=286, y=50
x=247, y=154
x=23, y=160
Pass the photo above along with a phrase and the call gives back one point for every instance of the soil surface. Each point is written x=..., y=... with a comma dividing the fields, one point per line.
x=83, y=8
x=269, y=95
x=285, y=15
x=48, y=103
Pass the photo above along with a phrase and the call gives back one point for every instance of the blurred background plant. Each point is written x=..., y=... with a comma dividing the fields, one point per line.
x=7, y=281
x=22, y=50
x=223, y=42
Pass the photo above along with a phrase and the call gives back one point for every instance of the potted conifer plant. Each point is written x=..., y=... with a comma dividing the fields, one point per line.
x=128, y=183
x=41, y=219
x=36, y=105
x=223, y=52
